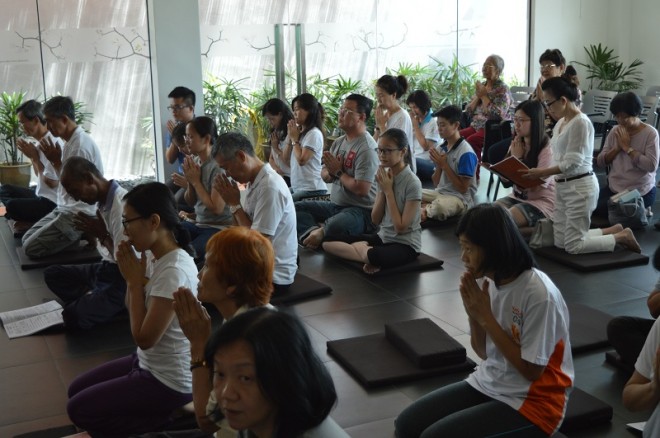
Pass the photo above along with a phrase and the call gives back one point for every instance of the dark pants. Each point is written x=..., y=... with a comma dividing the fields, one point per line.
x=383, y=255
x=627, y=335
x=118, y=399
x=23, y=204
x=337, y=220
x=92, y=293
x=199, y=236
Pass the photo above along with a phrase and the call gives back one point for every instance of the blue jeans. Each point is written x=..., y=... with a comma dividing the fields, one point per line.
x=199, y=236
x=425, y=169
x=337, y=220
x=460, y=410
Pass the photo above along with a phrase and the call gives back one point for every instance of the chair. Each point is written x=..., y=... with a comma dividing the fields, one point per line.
x=520, y=94
x=495, y=131
x=653, y=90
x=596, y=105
x=649, y=109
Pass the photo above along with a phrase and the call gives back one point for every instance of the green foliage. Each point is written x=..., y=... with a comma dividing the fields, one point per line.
x=226, y=102
x=608, y=73
x=330, y=92
x=10, y=127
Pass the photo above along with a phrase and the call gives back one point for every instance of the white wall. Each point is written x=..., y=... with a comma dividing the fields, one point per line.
x=630, y=28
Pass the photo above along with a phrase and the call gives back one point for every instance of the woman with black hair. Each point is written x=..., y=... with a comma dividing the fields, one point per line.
x=576, y=185
x=388, y=112
x=278, y=114
x=305, y=147
x=531, y=146
x=137, y=393
x=518, y=326
x=268, y=380
x=425, y=132
x=630, y=151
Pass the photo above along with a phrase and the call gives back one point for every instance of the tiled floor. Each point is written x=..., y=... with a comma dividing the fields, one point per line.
x=35, y=371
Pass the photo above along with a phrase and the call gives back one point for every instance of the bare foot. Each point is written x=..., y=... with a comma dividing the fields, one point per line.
x=627, y=239
x=370, y=269
x=616, y=228
x=313, y=241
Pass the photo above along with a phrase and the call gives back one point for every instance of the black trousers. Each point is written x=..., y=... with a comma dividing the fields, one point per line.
x=23, y=204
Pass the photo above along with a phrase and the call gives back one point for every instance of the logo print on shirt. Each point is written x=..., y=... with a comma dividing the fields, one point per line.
x=348, y=161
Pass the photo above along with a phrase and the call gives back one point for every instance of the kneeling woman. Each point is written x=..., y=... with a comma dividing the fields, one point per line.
x=137, y=393
x=518, y=326
x=268, y=380
x=396, y=210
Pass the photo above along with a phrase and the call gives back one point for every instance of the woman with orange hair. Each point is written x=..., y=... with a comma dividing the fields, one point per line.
x=237, y=275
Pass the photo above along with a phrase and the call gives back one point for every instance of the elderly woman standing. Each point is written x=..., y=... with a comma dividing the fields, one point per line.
x=492, y=101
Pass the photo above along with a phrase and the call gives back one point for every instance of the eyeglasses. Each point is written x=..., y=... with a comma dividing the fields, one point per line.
x=487, y=66
x=383, y=151
x=548, y=104
x=126, y=221
x=520, y=120
x=343, y=111
x=175, y=108
x=547, y=66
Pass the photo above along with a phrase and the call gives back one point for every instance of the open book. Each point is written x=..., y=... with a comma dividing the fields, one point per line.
x=510, y=168
x=30, y=320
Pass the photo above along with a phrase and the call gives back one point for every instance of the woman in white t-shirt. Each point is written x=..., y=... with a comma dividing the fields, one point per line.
x=425, y=132
x=278, y=114
x=304, y=148
x=137, y=393
x=232, y=285
x=518, y=326
x=388, y=112
x=397, y=210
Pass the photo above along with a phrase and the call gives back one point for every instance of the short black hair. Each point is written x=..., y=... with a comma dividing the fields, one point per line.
x=60, y=106
x=32, y=109
x=229, y=143
x=451, y=113
x=364, y=104
x=421, y=99
x=183, y=93
x=628, y=103
x=77, y=168
x=553, y=55
x=289, y=372
x=491, y=228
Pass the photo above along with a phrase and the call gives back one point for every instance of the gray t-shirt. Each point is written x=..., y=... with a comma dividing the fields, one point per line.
x=209, y=170
x=358, y=159
x=407, y=187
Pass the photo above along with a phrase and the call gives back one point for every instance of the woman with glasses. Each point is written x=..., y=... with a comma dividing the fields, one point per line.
x=137, y=393
x=396, y=210
x=576, y=185
x=278, y=114
x=304, y=149
x=492, y=101
x=531, y=146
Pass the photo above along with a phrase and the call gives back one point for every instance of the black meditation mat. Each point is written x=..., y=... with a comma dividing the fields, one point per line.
x=588, y=328
x=76, y=256
x=375, y=360
x=303, y=287
x=596, y=261
x=450, y=222
x=584, y=411
x=423, y=262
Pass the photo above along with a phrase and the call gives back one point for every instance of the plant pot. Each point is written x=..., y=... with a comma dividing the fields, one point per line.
x=16, y=174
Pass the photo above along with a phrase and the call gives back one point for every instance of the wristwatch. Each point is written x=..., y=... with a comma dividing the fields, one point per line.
x=234, y=208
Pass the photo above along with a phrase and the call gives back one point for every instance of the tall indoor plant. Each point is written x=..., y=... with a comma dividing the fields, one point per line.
x=13, y=170
x=606, y=72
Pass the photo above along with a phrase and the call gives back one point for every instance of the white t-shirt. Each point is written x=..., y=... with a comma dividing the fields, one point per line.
x=572, y=145
x=283, y=165
x=269, y=204
x=308, y=177
x=533, y=313
x=430, y=131
x=79, y=145
x=169, y=359
x=644, y=366
x=111, y=210
x=401, y=120
x=49, y=172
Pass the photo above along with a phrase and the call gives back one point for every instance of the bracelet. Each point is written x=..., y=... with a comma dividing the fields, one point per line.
x=194, y=364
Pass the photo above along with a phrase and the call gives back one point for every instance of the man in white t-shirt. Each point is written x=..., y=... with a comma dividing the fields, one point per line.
x=24, y=204
x=268, y=206
x=56, y=232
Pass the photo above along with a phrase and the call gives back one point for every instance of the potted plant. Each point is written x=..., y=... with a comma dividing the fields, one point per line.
x=608, y=73
x=13, y=170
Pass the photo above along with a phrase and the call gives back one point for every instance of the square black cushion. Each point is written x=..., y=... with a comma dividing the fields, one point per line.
x=424, y=343
x=302, y=288
x=595, y=261
x=588, y=328
x=584, y=411
x=423, y=262
x=76, y=256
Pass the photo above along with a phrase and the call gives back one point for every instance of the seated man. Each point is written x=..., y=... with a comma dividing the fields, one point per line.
x=23, y=204
x=455, y=167
x=55, y=232
x=92, y=293
x=350, y=166
x=268, y=206
x=182, y=105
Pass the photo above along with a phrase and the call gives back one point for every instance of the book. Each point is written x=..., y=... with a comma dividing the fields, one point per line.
x=30, y=320
x=510, y=168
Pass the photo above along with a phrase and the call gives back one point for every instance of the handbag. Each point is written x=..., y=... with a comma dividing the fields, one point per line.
x=627, y=208
x=543, y=234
